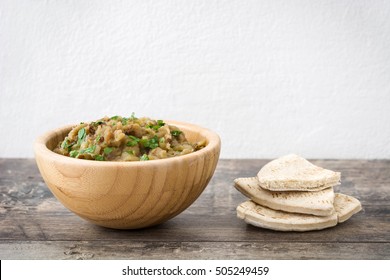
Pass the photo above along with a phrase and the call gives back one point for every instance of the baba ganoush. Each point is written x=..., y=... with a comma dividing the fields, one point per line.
x=126, y=139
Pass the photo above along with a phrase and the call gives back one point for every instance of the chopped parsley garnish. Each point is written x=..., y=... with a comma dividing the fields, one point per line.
x=99, y=157
x=65, y=145
x=159, y=124
x=133, y=141
x=81, y=135
x=74, y=154
x=108, y=150
x=144, y=157
x=88, y=150
x=150, y=143
x=124, y=121
x=176, y=132
x=96, y=123
x=133, y=117
x=113, y=137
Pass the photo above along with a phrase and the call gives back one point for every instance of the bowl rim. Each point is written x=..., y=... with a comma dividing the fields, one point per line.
x=41, y=149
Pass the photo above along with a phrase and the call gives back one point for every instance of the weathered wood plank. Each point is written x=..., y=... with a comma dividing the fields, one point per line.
x=196, y=224
x=20, y=179
x=31, y=216
x=191, y=250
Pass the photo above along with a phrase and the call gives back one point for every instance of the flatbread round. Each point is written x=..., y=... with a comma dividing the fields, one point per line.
x=264, y=217
x=294, y=173
x=346, y=206
x=319, y=203
x=261, y=216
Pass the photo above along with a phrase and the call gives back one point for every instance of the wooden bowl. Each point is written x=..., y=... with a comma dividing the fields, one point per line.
x=128, y=195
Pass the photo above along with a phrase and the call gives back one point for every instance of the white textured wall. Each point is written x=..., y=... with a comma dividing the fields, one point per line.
x=271, y=77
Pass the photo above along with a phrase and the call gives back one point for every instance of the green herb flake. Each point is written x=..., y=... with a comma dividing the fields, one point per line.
x=125, y=121
x=88, y=150
x=108, y=150
x=156, y=127
x=144, y=142
x=144, y=157
x=153, y=143
x=64, y=144
x=150, y=143
x=95, y=124
x=99, y=157
x=74, y=154
x=133, y=141
x=114, y=117
x=98, y=138
x=160, y=123
x=130, y=152
x=176, y=132
x=133, y=117
x=81, y=135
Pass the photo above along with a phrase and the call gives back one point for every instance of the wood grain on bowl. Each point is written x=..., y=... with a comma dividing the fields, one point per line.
x=128, y=195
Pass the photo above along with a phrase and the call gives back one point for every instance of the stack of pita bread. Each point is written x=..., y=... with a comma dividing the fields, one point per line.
x=292, y=194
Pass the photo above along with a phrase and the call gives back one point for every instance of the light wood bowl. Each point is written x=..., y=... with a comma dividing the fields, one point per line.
x=128, y=195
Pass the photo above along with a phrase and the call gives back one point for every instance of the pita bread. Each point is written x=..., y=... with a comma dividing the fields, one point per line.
x=319, y=203
x=346, y=206
x=264, y=217
x=294, y=173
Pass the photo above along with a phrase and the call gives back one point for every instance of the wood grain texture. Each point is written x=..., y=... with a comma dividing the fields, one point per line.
x=87, y=250
x=34, y=225
x=128, y=195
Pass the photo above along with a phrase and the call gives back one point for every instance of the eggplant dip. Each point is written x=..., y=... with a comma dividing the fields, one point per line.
x=126, y=139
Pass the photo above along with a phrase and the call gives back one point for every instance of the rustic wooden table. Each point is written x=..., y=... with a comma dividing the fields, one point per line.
x=34, y=225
